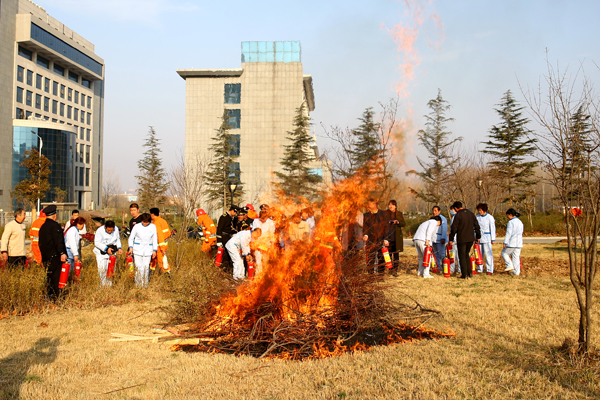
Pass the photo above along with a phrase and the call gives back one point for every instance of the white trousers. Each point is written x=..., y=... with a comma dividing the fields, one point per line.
x=102, y=261
x=142, y=270
x=488, y=255
x=420, y=246
x=239, y=272
x=512, y=258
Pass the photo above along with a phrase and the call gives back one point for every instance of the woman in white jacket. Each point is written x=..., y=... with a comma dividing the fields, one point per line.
x=143, y=244
x=72, y=241
x=424, y=238
x=513, y=242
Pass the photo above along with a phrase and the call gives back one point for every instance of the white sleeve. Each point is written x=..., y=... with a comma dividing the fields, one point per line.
x=117, y=237
x=132, y=236
x=509, y=233
x=492, y=228
x=245, y=245
x=98, y=241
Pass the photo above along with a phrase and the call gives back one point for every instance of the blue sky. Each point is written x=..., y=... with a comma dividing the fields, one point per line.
x=488, y=47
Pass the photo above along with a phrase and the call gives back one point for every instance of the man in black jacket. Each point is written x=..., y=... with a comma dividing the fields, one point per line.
x=54, y=252
x=465, y=230
x=226, y=228
x=375, y=225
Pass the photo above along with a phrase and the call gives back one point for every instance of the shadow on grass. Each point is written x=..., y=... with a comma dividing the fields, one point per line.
x=15, y=367
x=547, y=361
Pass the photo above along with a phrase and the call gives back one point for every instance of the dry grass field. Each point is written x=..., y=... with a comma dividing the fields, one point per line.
x=508, y=331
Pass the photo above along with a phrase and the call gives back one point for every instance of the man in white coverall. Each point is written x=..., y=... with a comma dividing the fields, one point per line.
x=106, y=240
x=239, y=246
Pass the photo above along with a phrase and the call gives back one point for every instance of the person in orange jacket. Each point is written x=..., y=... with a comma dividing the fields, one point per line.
x=34, y=235
x=209, y=230
x=163, y=233
x=251, y=212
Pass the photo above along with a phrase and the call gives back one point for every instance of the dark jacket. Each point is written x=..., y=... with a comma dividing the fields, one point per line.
x=375, y=227
x=465, y=227
x=134, y=221
x=52, y=242
x=394, y=231
x=225, y=228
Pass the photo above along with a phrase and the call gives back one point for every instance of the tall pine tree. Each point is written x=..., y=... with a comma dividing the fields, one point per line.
x=297, y=179
x=223, y=171
x=367, y=146
x=152, y=180
x=437, y=141
x=579, y=147
x=509, y=147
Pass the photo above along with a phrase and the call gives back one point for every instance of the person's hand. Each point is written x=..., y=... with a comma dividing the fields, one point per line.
x=396, y=222
x=76, y=258
x=504, y=246
x=477, y=241
x=365, y=237
x=109, y=251
x=427, y=243
x=451, y=243
x=120, y=252
x=443, y=241
x=129, y=251
x=163, y=252
x=153, y=254
x=493, y=242
x=63, y=258
x=249, y=258
x=386, y=243
x=5, y=256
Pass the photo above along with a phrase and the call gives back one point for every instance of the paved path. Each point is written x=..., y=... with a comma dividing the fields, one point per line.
x=500, y=239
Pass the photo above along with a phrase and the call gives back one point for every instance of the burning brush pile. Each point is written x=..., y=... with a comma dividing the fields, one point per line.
x=311, y=300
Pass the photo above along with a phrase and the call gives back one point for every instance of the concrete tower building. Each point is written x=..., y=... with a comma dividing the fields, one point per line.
x=51, y=95
x=261, y=100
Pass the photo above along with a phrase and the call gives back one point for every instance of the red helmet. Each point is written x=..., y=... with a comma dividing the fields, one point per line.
x=250, y=207
x=200, y=212
x=42, y=215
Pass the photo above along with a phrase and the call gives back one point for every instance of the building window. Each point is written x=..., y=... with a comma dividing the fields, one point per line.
x=87, y=154
x=38, y=81
x=59, y=70
x=23, y=52
x=69, y=109
x=234, y=145
x=81, y=176
x=76, y=114
x=317, y=172
x=62, y=91
x=89, y=102
x=20, y=72
x=86, y=83
x=38, y=115
x=47, y=85
x=87, y=177
x=62, y=109
x=46, y=104
x=81, y=146
x=43, y=62
x=233, y=93
x=54, y=120
x=81, y=132
x=89, y=118
x=28, y=97
x=27, y=114
x=19, y=95
x=234, y=172
x=76, y=98
x=55, y=88
x=82, y=117
x=38, y=101
x=76, y=170
x=29, y=77
x=233, y=118
x=87, y=135
x=54, y=106
x=73, y=76
x=20, y=114
x=70, y=94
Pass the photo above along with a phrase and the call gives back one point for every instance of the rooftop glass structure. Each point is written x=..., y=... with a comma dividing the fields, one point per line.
x=271, y=52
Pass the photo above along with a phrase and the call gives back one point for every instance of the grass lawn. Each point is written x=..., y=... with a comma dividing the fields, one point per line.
x=507, y=330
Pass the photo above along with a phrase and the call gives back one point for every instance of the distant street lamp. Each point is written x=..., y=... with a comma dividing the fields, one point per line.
x=232, y=187
x=479, y=184
x=40, y=170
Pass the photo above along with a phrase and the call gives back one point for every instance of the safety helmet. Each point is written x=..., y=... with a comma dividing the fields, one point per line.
x=200, y=212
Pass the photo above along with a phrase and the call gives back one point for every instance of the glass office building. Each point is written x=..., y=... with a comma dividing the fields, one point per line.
x=58, y=146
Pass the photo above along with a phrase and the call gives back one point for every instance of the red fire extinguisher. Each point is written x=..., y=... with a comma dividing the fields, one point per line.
x=450, y=253
x=219, y=258
x=427, y=256
x=434, y=266
x=131, y=266
x=478, y=257
x=446, y=268
x=64, y=275
x=387, y=258
x=112, y=260
x=250, y=268
x=78, y=269
x=473, y=265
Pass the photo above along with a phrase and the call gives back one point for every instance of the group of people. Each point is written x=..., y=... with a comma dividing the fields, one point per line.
x=467, y=229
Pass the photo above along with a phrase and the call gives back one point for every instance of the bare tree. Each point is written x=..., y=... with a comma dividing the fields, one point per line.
x=110, y=189
x=570, y=155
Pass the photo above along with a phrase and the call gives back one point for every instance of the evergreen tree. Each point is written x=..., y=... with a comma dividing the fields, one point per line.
x=509, y=147
x=366, y=148
x=152, y=183
x=438, y=142
x=28, y=191
x=297, y=178
x=221, y=170
x=578, y=148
